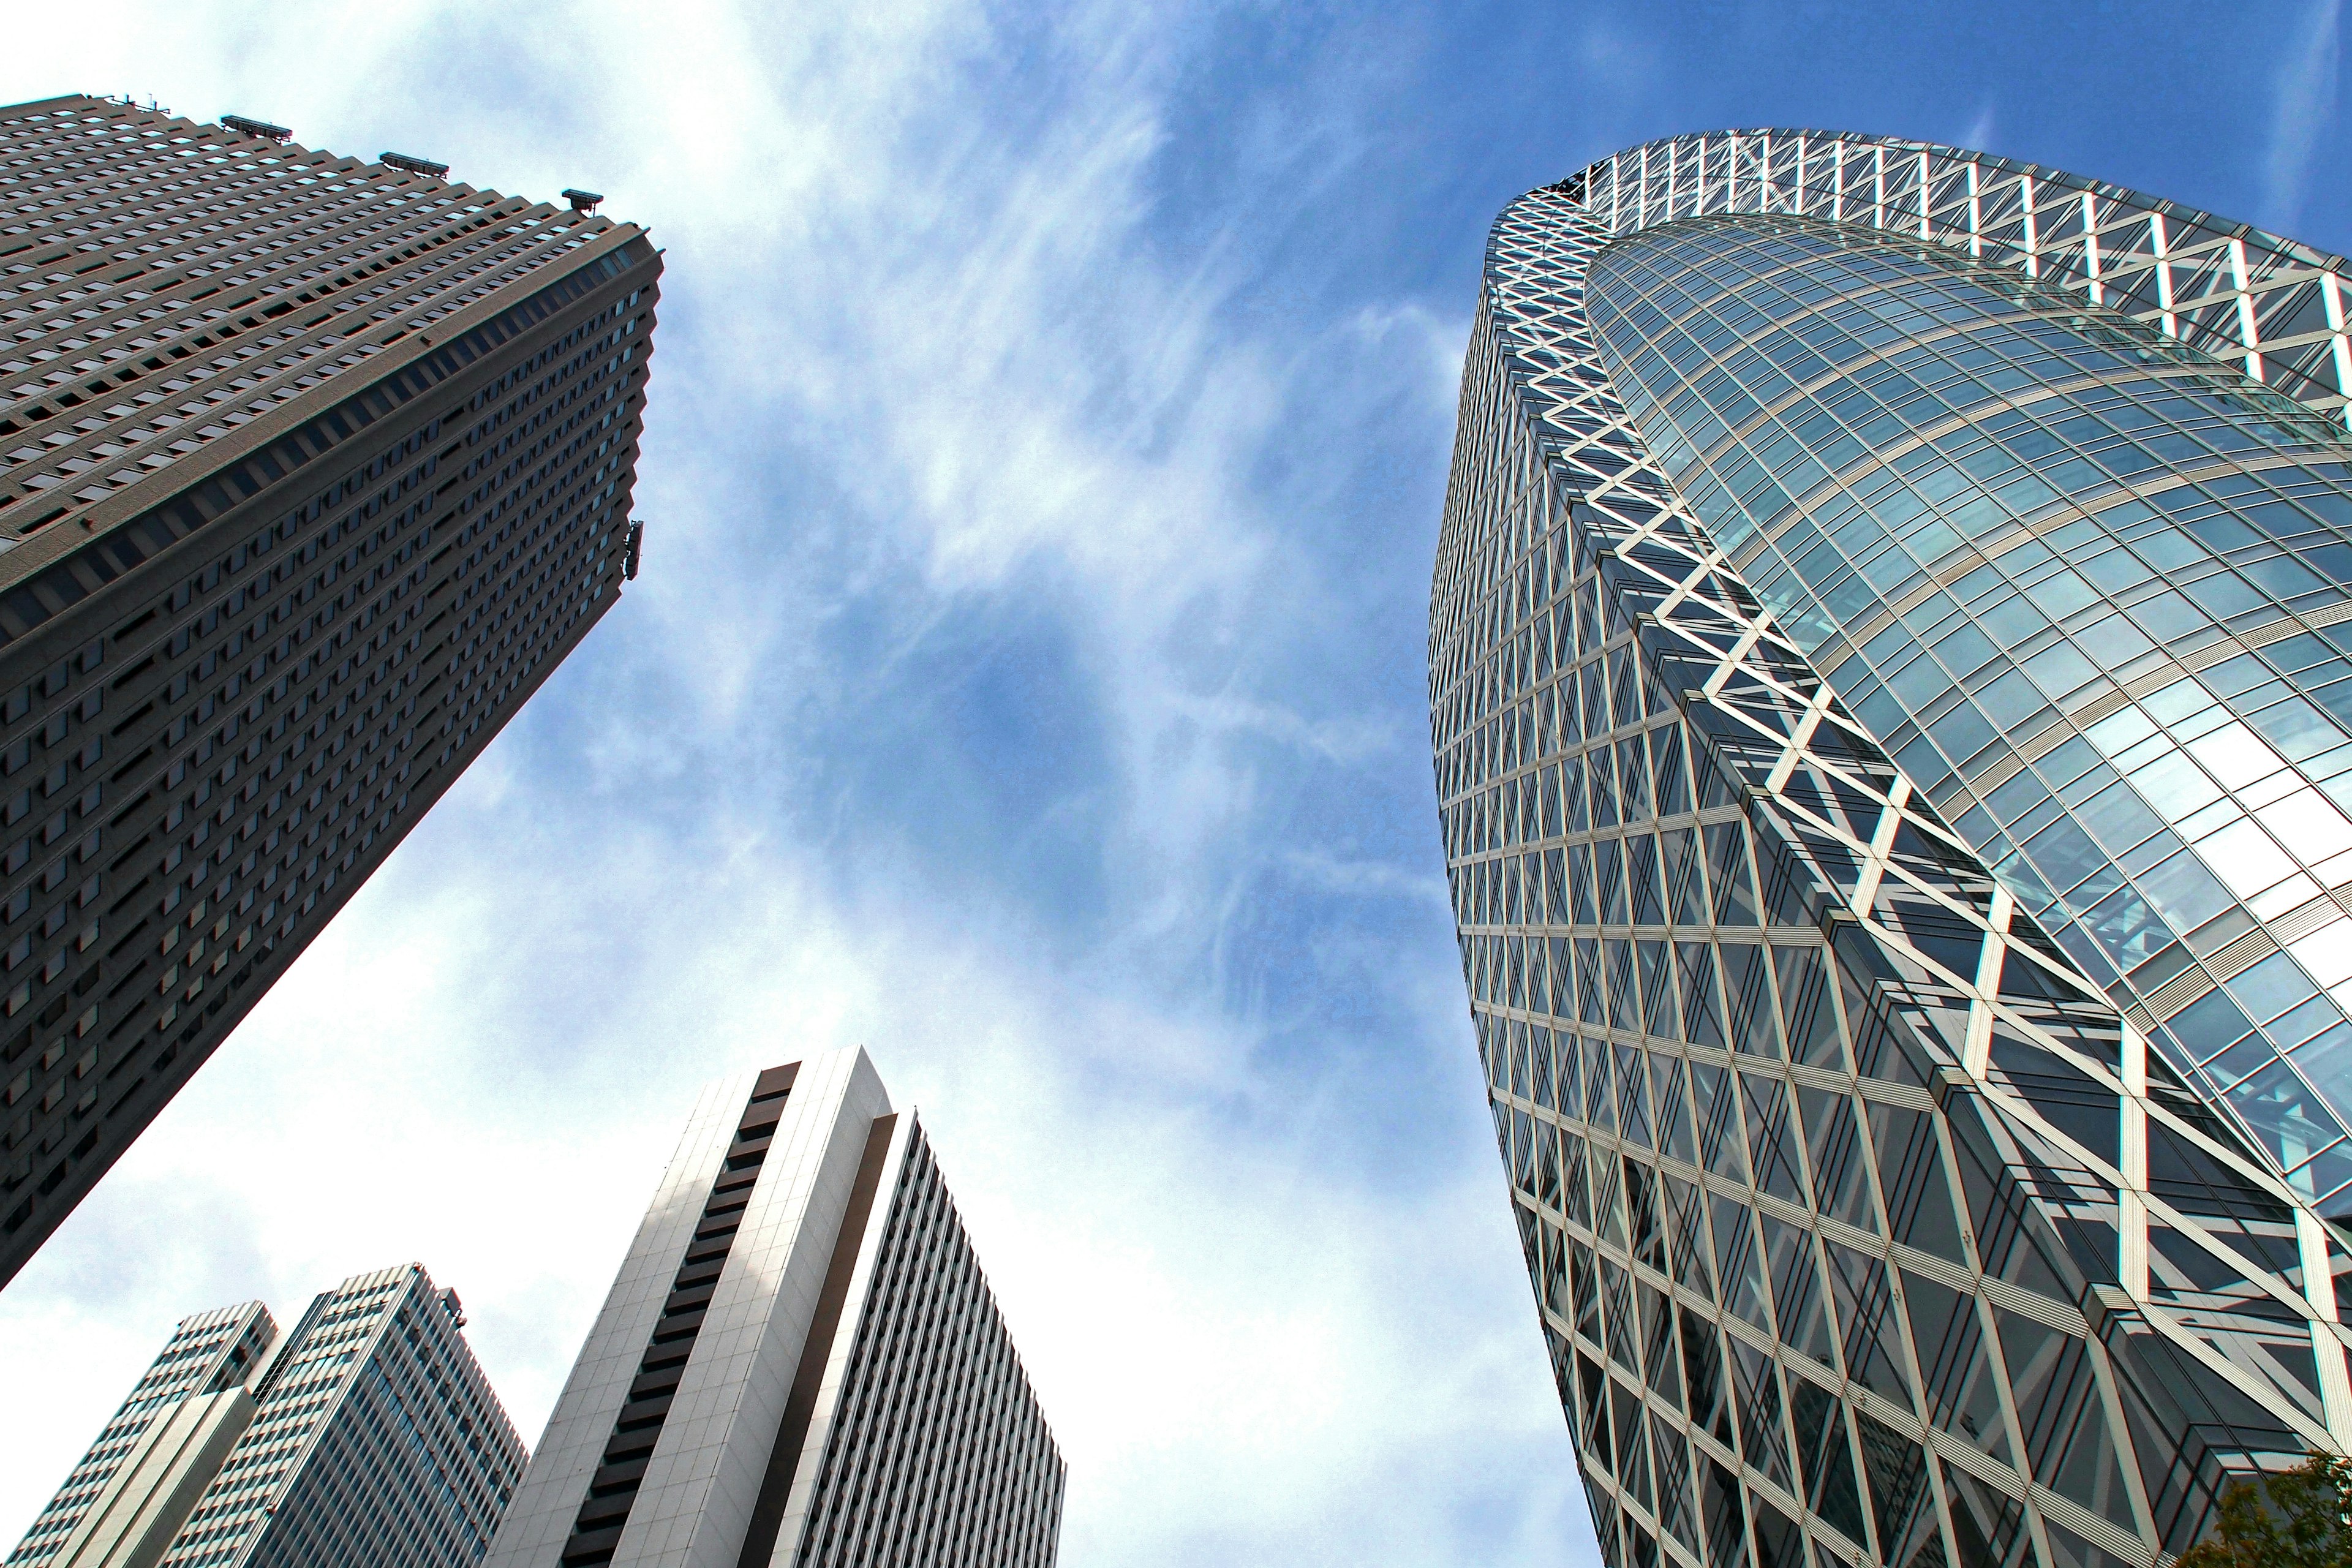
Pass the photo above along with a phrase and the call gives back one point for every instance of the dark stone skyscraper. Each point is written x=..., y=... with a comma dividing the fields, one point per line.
x=312, y=470
x=1891, y=682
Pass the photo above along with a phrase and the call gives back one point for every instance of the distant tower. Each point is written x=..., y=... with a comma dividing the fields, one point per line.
x=311, y=471
x=1891, y=684
x=800, y=1362
x=367, y=1437
x=130, y=1492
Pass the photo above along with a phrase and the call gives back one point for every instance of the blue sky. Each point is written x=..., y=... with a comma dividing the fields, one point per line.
x=1050, y=419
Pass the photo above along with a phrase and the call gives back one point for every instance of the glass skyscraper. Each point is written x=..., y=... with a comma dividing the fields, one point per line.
x=1893, y=723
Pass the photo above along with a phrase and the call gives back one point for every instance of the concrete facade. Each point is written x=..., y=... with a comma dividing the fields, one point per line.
x=704, y=1420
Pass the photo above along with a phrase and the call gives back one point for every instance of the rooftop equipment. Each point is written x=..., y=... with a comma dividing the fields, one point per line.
x=413, y=165
x=261, y=127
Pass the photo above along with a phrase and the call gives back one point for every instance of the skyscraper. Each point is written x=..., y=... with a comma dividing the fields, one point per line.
x=799, y=1362
x=139, y=1480
x=367, y=1435
x=1891, y=709
x=312, y=470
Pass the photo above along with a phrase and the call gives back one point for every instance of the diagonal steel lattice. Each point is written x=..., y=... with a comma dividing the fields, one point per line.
x=2111, y=1224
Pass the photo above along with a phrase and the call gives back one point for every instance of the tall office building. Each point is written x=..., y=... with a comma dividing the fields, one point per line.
x=163, y=1447
x=1892, y=715
x=367, y=1436
x=312, y=470
x=800, y=1362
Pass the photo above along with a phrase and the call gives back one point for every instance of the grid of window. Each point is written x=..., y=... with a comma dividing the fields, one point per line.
x=1860, y=1223
x=377, y=1439
x=227, y=692
x=2270, y=306
x=165, y=283
x=206, y=1354
x=2086, y=584
x=938, y=1451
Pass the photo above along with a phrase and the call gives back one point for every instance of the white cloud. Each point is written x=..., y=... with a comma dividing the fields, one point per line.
x=1977, y=137
x=932, y=355
x=2304, y=108
x=1236, y=1345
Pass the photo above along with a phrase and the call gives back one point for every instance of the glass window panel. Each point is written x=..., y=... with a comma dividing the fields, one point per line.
x=1642, y=881
x=1987, y=1526
x=1777, y=1542
x=1633, y=1450
x=1685, y=883
x=1797, y=1298
x=1747, y=987
x=1728, y=873
x=1689, y=1240
x=1674, y=1123
x=1953, y=1360
x=1738, y=1263
x=1702, y=1012
x=1763, y=1436
x=1911, y=1174
x=1725, y=1522
x=1632, y=1097
x=2067, y=1437
x=1771, y=1138
x=1659, y=1340
x=1715, y=1109
x=1841, y=1188
x=1903, y=1505
x=1826, y=1457
x=1808, y=1015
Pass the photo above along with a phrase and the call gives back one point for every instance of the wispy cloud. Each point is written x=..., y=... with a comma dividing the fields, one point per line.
x=2304, y=108
x=1977, y=137
x=1022, y=668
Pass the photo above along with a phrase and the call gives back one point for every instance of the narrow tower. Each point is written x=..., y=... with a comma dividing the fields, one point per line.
x=312, y=470
x=800, y=1364
x=1891, y=684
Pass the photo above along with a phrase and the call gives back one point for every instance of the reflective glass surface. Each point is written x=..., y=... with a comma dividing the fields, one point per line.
x=1861, y=1226
x=2086, y=585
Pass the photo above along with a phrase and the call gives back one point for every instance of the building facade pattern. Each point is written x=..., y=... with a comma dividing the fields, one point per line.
x=377, y=1440
x=799, y=1363
x=935, y=1448
x=320, y=467
x=1856, y=1212
x=637, y=1427
x=2153, y=551
x=206, y=1354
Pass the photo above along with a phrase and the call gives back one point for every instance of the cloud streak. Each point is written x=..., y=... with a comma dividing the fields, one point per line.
x=1023, y=684
x=2302, y=109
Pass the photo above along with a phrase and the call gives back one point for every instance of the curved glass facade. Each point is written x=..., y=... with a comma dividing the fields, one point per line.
x=2088, y=587
x=1895, y=1184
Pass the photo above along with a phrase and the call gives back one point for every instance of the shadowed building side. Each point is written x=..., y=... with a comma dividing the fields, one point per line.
x=311, y=471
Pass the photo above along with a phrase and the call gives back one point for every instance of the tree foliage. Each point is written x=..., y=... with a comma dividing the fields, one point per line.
x=2303, y=1521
